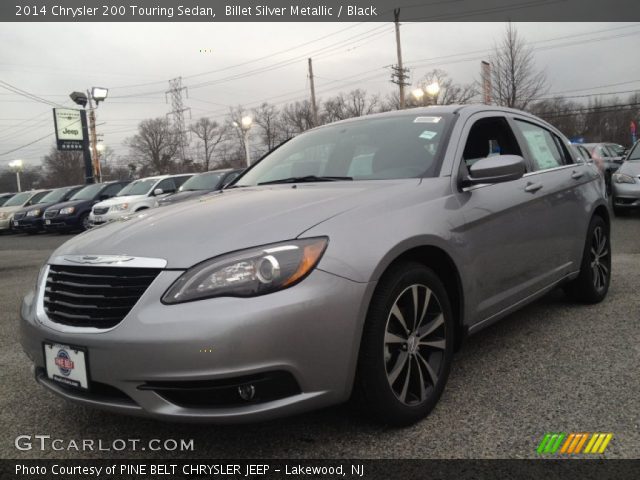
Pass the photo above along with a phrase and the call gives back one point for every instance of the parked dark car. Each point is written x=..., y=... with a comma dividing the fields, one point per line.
x=626, y=183
x=74, y=214
x=4, y=197
x=30, y=219
x=200, y=184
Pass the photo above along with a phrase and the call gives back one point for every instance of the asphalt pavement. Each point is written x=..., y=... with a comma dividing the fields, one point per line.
x=554, y=366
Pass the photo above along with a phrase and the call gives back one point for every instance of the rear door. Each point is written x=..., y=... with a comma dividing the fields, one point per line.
x=558, y=221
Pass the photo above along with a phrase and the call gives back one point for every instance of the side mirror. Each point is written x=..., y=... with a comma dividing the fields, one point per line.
x=158, y=191
x=497, y=169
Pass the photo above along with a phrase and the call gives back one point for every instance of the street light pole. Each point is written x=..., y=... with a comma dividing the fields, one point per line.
x=245, y=126
x=247, y=151
x=17, y=166
x=97, y=172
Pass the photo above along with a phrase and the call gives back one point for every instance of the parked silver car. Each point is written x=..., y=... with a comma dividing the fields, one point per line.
x=351, y=261
x=626, y=182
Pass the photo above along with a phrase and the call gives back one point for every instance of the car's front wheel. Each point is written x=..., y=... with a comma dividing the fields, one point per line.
x=592, y=283
x=407, y=346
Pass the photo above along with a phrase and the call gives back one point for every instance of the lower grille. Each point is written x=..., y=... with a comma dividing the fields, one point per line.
x=88, y=296
x=101, y=210
x=18, y=216
x=50, y=213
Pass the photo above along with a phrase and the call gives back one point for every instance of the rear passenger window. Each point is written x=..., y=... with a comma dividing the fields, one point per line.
x=542, y=145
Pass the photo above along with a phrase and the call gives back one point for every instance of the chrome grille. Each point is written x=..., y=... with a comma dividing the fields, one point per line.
x=88, y=296
x=100, y=210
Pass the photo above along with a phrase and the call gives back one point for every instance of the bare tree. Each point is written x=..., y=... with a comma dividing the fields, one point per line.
x=354, y=104
x=515, y=80
x=211, y=134
x=297, y=117
x=155, y=146
x=267, y=117
x=63, y=168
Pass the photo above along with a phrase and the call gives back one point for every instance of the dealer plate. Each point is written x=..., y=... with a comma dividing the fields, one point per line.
x=47, y=222
x=66, y=365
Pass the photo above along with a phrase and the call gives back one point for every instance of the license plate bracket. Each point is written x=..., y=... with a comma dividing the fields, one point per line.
x=66, y=364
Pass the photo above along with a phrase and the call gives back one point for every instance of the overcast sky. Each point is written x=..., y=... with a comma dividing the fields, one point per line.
x=51, y=60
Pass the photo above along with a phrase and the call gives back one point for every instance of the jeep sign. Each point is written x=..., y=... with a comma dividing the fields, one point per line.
x=68, y=124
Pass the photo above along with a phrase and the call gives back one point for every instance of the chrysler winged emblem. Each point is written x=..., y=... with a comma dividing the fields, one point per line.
x=97, y=259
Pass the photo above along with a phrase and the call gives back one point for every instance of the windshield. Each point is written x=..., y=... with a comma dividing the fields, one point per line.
x=617, y=149
x=377, y=148
x=139, y=187
x=88, y=192
x=18, y=200
x=204, y=181
x=55, y=196
x=634, y=154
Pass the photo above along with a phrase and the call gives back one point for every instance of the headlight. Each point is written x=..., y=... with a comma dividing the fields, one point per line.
x=249, y=273
x=121, y=206
x=622, y=178
x=34, y=213
x=3, y=215
x=67, y=210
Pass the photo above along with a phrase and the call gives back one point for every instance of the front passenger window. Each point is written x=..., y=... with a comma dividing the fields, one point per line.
x=487, y=137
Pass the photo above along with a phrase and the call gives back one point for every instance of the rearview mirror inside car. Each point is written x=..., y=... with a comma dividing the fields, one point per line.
x=496, y=169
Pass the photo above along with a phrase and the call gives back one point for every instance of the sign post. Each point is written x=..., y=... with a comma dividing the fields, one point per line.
x=72, y=134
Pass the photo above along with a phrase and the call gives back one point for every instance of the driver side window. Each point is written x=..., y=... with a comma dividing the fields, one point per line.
x=488, y=137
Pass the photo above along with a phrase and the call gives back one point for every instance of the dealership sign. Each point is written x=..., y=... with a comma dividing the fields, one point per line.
x=69, y=124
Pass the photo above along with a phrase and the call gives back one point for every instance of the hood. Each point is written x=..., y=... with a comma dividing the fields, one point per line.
x=179, y=196
x=117, y=200
x=191, y=232
x=630, y=167
x=11, y=210
x=68, y=203
x=41, y=206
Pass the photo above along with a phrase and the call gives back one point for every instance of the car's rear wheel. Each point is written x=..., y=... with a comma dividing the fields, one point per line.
x=407, y=346
x=592, y=283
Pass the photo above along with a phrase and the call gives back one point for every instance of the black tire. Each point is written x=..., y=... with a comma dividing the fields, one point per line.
x=84, y=222
x=375, y=391
x=592, y=283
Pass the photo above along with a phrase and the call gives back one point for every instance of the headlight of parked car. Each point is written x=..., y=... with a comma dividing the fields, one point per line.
x=121, y=206
x=249, y=273
x=34, y=213
x=67, y=210
x=622, y=178
x=3, y=215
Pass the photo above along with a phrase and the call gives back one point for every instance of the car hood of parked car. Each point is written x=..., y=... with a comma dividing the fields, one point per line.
x=191, y=232
x=630, y=167
x=39, y=206
x=117, y=200
x=11, y=210
x=180, y=196
x=68, y=203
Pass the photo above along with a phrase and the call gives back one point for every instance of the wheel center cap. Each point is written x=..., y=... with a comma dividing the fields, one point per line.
x=412, y=344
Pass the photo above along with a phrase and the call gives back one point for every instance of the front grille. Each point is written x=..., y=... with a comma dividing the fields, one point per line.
x=88, y=296
x=19, y=215
x=50, y=213
x=101, y=210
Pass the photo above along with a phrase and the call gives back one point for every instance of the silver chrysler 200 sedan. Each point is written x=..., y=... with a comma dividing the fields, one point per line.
x=349, y=262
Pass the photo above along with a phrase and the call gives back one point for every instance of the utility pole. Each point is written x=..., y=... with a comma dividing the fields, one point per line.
x=400, y=74
x=485, y=73
x=177, y=111
x=93, y=141
x=314, y=107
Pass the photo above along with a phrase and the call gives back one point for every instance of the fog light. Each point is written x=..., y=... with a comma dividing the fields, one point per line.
x=247, y=392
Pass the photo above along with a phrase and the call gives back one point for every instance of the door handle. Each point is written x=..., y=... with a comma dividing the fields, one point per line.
x=576, y=175
x=532, y=187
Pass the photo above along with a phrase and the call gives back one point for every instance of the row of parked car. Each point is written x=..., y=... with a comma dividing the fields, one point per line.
x=80, y=207
x=621, y=170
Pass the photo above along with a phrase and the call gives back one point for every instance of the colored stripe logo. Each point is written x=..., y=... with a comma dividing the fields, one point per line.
x=573, y=443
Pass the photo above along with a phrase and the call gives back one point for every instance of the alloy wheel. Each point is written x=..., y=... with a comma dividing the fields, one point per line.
x=414, y=344
x=600, y=258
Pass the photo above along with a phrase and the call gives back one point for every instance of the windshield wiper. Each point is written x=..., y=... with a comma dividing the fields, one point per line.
x=307, y=178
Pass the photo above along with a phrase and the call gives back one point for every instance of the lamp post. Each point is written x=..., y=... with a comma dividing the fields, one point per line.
x=99, y=94
x=245, y=126
x=431, y=90
x=17, y=166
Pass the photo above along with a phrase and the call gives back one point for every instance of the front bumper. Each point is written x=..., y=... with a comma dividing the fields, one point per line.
x=5, y=223
x=61, y=222
x=34, y=224
x=310, y=331
x=110, y=216
x=626, y=195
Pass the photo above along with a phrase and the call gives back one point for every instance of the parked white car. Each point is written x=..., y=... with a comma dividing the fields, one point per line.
x=138, y=195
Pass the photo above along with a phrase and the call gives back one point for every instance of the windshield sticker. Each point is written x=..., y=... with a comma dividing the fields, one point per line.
x=428, y=134
x=427, y=119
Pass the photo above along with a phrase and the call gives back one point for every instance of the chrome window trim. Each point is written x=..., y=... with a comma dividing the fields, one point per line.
x=561, y=167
